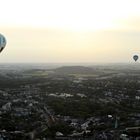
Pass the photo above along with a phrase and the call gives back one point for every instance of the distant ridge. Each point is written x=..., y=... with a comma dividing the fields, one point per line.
x=74, y=70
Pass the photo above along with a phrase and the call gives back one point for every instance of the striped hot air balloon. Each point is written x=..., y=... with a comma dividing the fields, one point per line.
x=2, y=42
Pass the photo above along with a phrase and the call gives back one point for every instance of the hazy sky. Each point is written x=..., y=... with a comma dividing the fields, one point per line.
x=70, y=30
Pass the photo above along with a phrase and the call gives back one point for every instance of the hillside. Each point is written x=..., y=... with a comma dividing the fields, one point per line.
x=74, y=70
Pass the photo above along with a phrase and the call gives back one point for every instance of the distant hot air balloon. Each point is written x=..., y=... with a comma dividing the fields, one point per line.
x=135, y=57
x=2, y=42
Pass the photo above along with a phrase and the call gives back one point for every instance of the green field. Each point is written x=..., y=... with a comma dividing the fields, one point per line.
x=84, y=75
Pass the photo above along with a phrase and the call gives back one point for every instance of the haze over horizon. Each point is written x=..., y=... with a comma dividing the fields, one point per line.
x=76, y=31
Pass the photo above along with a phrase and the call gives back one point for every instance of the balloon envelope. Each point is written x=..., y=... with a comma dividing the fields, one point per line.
x=135, y=57
x=2, y=42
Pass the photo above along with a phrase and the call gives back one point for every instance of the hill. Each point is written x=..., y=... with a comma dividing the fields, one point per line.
x=74, y=70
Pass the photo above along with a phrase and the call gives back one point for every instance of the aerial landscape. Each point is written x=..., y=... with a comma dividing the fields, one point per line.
x=70, y=70
x=69, y=102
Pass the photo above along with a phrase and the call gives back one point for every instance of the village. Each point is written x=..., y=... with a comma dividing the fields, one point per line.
x=70, y=107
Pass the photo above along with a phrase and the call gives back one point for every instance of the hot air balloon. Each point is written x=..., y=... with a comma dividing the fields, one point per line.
x=135, y=57
x=2, y=42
